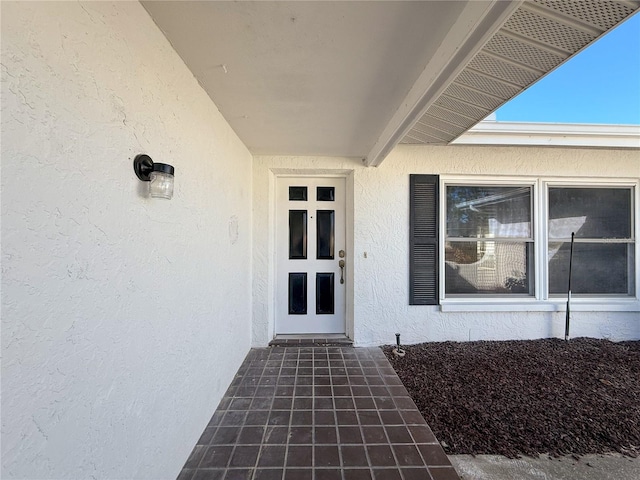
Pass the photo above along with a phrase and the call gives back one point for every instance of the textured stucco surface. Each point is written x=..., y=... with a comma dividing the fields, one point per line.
x=380, y=228
x=124, y=318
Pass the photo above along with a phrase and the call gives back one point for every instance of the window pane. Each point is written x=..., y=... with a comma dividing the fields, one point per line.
x=325, y=232
x=488, y=212
x=298, y=193
x=489, y=267
x=597, y=268
x=297, y=234
x=590, y=212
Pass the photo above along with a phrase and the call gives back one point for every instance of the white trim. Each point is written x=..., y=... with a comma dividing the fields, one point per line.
x=348, y=175
x=474, y=27
x=551, y=135
x=532, y=305
x=542, y=254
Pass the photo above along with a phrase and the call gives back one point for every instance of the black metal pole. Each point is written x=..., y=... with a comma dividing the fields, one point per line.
x=566, y=323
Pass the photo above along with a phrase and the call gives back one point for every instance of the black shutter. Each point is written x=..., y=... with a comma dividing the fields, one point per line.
x=423, y=238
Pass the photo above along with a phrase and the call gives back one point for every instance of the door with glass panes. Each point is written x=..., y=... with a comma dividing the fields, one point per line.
x=310, y=255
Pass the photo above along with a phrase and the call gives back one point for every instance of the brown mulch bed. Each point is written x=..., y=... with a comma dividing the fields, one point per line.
x=528, y=397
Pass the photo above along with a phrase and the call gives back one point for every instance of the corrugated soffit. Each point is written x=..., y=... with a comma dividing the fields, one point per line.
x=538, y=37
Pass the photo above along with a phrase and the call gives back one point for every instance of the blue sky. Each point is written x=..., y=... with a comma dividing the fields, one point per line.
x=599, y=85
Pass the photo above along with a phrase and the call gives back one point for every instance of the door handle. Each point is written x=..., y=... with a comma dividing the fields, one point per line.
x=341, y=265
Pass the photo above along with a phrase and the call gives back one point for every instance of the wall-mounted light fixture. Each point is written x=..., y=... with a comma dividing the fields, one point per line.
x=160, y=176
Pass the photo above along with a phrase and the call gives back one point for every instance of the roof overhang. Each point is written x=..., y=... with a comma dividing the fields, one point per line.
x=473, y=29
x=354, y=79
x=536, y=39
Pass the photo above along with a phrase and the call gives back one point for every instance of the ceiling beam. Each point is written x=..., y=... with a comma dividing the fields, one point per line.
x=477, y=23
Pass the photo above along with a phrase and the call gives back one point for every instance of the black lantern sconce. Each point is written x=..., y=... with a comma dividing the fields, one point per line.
x=159, y=176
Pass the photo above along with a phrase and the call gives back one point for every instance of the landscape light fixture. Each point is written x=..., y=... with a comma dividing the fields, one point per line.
x=159, y=176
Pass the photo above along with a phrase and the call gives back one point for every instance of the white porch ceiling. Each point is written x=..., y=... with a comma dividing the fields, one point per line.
x=356, y=78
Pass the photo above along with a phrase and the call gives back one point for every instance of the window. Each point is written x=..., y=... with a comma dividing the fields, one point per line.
x=489, y=240
x=501, y=239
x=603, y=252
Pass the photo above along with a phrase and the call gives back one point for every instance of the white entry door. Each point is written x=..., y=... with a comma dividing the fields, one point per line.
x=310, y=255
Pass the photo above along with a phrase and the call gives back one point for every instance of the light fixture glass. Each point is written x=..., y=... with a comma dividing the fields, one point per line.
x=161, y=181
x=159, y=176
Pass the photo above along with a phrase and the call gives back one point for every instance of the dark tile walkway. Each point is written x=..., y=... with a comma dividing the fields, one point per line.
x=317, y=413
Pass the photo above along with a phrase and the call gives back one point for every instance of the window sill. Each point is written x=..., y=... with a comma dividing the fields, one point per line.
x=532, y=305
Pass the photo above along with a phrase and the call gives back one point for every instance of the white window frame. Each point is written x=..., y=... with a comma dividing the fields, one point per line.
x=541, y=300
x=573, y=183
x=489, y=182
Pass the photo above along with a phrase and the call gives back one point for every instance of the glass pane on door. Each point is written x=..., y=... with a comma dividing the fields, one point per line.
x=325, y=232
x=297, y=294
x=298, y=194
x=325, y=293
x=297, y=234
x=326, y=194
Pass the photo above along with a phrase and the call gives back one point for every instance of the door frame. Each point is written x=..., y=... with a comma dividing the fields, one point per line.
x=348, y=175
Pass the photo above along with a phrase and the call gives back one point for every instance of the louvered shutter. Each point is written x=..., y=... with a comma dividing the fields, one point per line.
x=423, y=249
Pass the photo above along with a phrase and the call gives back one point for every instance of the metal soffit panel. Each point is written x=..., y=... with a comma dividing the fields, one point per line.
x=539, y=36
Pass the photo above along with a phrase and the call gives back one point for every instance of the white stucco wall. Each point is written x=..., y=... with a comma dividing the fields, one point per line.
x=124, y=318
x=381, y=228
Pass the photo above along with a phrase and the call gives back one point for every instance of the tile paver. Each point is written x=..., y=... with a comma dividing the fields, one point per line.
x=318, y=413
